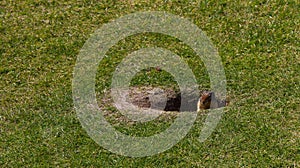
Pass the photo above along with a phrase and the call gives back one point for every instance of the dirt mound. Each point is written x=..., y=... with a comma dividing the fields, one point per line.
x=165, y=99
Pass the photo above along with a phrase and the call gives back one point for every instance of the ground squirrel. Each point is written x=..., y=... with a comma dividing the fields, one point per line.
x=205, y=101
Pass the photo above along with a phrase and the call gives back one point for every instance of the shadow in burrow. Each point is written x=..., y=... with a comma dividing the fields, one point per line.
x=164, y=99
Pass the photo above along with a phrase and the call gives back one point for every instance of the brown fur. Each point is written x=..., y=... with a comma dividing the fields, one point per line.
x=205, y=101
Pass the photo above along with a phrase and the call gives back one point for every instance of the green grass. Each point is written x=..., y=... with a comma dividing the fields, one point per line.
x=257, y=41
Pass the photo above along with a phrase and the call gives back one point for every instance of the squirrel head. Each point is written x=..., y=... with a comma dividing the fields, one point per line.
x=208, y=100
x=205, y=100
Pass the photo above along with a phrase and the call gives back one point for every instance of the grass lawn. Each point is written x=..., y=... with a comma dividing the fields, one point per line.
x=260, y=50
